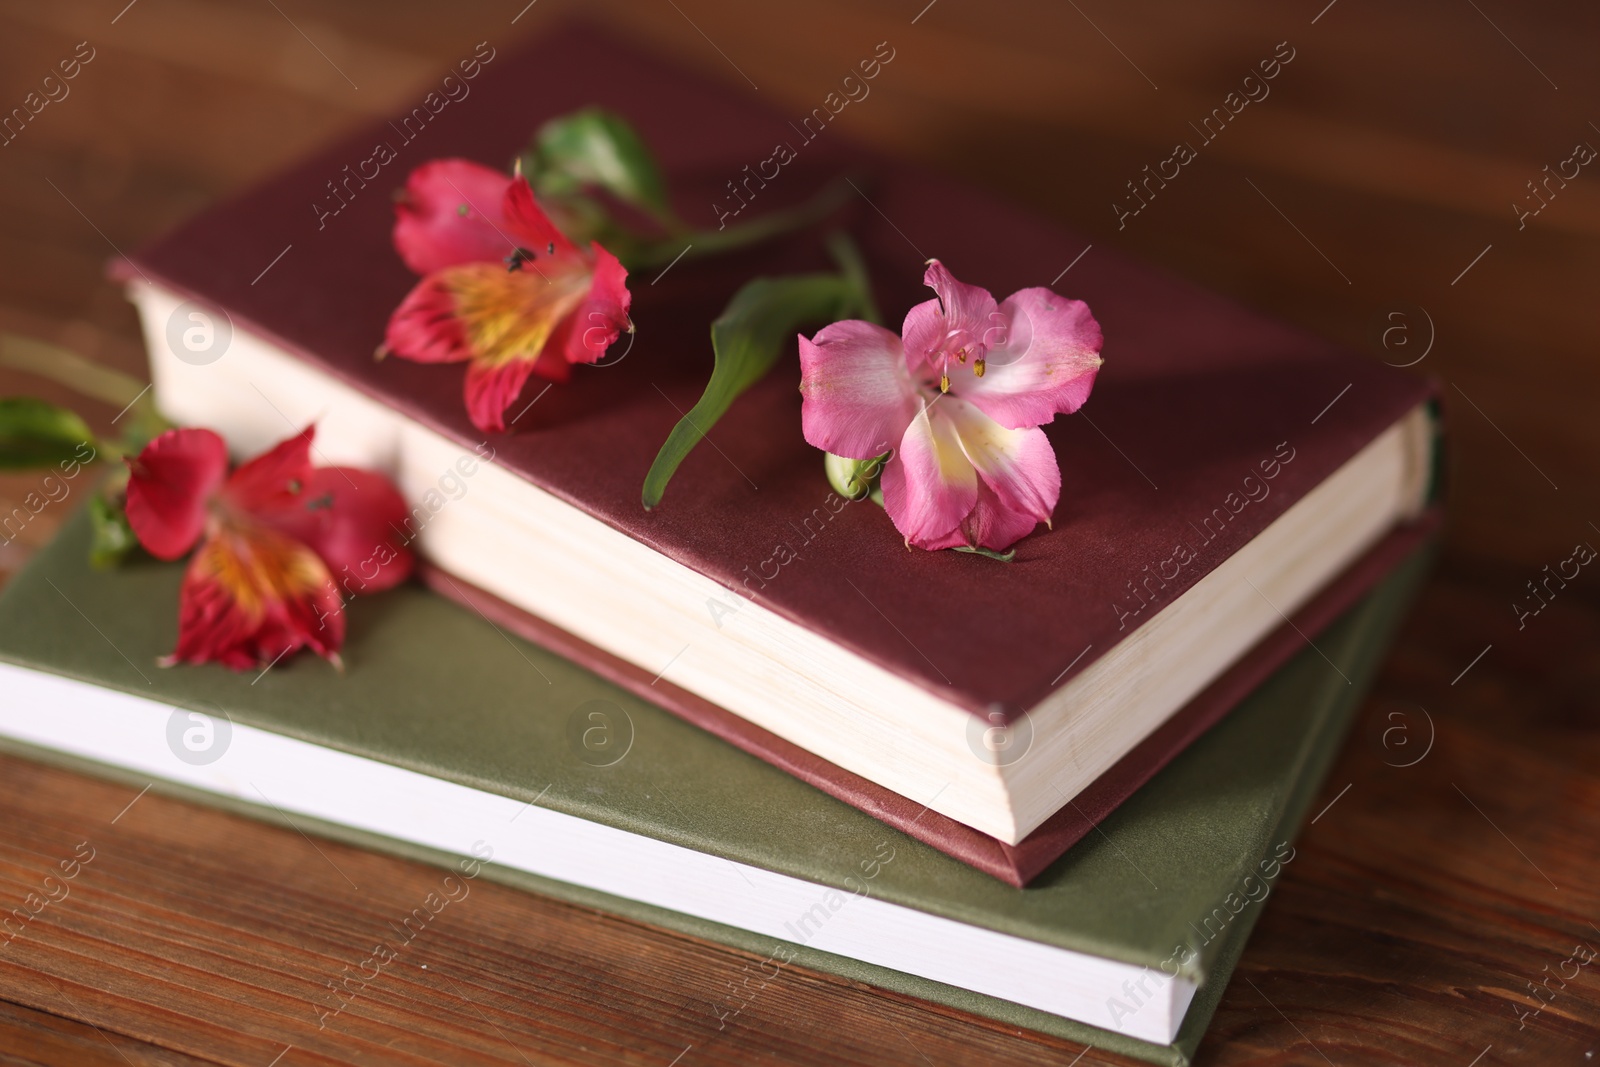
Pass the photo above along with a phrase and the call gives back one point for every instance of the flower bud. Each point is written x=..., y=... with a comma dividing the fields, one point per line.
x=854, y=479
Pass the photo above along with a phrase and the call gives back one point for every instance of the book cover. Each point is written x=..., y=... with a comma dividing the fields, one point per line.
x=1172, y=881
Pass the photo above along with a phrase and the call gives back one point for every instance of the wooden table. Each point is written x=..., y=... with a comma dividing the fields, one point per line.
x=1454, y=859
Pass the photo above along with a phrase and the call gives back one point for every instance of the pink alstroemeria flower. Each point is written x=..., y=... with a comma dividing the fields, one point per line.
x=503, y=289
x=959, y=397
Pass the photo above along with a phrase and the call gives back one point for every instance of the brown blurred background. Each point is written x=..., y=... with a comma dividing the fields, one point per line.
x=1367, y=186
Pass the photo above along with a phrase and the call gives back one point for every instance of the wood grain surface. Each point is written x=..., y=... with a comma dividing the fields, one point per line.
x=1452, y=867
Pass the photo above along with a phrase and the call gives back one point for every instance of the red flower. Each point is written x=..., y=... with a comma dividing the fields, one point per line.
x=503, y=289
x=272, y=536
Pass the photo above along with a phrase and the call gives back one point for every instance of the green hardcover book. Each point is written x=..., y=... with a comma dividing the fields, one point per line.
x=445, y=737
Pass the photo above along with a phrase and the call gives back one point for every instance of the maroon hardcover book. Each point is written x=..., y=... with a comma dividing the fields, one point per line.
x=1195, y=392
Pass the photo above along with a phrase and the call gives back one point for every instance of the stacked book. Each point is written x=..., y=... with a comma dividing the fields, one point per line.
x=1055, y=791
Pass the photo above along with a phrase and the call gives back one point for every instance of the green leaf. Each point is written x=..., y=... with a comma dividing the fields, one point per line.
x=747, y=339
x=113, y=537
x=34, y=433
x=595, y=147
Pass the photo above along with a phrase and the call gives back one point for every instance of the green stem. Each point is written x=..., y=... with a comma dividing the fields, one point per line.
x=70, y=369
x=713, y=242
x=848, y=256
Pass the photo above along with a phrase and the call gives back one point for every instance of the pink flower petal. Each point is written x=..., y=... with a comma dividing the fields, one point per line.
x=355, y=520
x=492, y=388
x=993, y=525
x=603, y=315
x=502, y=321
x=1019, y=465
x=929, y=486
x=250, y=596
x=483, y=311
x=858, y=395
x=275, y=478
x=924, y=333
x=956, y=327
x=552, y=363
x=530, y=227
x=1044, y=361
x=424, y=328
x=170, y=485
x=452, y=212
